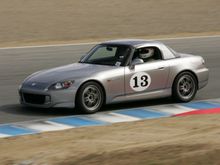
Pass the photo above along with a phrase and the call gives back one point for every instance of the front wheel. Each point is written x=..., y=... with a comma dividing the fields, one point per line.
x=184, y=87
x=90, y=98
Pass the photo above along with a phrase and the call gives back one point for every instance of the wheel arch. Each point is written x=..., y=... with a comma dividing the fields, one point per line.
x=96, y=81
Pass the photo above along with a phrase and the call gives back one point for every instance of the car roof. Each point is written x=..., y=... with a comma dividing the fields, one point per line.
x=132, y=42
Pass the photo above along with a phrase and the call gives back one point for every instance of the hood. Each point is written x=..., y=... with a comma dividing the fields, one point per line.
x=67, y=72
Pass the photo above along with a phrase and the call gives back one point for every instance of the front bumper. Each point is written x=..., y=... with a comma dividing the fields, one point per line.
x=47, y=99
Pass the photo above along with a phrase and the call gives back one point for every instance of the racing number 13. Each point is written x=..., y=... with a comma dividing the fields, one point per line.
x=140, y=81
x=143, y=83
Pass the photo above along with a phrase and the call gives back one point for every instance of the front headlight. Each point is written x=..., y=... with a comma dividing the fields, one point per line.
x=61, y=85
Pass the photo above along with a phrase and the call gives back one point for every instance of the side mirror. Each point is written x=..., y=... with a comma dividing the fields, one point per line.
x=136, y=61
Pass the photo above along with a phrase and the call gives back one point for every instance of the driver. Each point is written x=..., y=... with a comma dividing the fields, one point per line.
x=146, y=54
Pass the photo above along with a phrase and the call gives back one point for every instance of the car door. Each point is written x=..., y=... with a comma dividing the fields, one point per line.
x=146, y=77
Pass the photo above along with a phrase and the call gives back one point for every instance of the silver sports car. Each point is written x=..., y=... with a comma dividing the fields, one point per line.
x=117, y=71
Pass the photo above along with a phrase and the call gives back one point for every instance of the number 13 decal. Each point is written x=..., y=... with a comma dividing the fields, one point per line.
x=140, y=81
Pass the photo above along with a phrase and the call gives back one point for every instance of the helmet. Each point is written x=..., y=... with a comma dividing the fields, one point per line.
x=146, y=53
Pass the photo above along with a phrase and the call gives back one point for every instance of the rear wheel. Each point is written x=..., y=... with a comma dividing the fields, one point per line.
x=184, y=87
x=90, y=97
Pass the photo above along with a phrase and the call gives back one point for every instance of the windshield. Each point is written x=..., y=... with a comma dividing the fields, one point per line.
x=114, y=55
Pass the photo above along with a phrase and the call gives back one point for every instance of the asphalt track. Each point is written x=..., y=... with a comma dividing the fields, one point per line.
x=18, y=63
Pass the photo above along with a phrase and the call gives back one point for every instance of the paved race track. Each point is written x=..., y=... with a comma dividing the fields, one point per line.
x=18, y=63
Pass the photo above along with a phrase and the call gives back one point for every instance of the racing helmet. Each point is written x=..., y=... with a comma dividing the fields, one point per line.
x=145, y=53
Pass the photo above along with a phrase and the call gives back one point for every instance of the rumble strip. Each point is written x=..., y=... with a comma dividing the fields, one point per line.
x=107, y=118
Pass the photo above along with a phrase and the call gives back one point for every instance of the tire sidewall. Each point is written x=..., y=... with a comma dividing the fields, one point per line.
x=79, y=98
x=176, y=94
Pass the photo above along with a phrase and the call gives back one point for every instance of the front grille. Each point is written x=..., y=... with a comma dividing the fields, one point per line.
x=34, y=98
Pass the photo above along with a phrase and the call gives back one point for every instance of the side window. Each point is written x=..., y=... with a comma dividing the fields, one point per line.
x=148, y=54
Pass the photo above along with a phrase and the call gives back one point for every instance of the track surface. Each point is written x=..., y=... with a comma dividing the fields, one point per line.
x=18, y=63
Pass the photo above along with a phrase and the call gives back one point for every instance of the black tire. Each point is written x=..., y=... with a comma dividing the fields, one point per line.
x=184, y=87
x=90, y=98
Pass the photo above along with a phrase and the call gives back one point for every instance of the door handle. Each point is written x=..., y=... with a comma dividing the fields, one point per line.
x=161, y=68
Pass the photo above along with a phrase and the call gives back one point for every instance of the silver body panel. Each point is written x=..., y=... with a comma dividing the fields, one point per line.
x=115, y=80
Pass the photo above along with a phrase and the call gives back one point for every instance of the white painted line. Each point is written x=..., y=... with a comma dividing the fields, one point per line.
x=172, y=109
x=47, y=46
x=43, y=126
x=4, y=135
x=193, y=37
x=92, y=43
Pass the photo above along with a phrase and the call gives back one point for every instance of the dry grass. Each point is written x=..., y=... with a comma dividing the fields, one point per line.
x=55, y=21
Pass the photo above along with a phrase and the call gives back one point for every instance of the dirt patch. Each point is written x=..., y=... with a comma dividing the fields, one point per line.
x=25, y=22
x=177, y=140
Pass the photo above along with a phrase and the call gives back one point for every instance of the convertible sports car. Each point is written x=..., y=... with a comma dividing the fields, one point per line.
x=117, y=71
